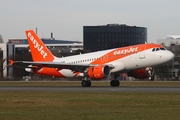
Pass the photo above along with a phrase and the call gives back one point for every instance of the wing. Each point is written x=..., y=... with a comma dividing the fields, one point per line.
x=59, y=65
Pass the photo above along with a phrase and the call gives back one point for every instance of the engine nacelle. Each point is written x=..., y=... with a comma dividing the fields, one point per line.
x=144, y=73
x=29, y=69
x=32, y=69
x=98, y=72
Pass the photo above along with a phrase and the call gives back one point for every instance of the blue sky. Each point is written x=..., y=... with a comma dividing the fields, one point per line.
x=66, y=18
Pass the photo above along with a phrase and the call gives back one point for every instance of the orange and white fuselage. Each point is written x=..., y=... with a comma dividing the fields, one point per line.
x=95, y=65
x=120, y=60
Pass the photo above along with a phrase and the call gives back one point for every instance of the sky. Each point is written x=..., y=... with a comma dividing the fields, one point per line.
x=66, y=18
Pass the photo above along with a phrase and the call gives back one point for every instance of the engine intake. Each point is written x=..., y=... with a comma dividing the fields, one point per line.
x=99, y=72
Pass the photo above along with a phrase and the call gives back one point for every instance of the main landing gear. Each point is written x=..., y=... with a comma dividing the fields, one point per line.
x=86, y=83
x=115, y=82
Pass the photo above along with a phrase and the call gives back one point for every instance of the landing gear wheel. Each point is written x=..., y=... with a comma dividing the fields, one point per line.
x=86, y=83
x=114, y=83
x=89, y=83
x=151, y=78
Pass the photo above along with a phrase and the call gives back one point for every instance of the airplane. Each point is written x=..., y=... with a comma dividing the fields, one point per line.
x=137, y=61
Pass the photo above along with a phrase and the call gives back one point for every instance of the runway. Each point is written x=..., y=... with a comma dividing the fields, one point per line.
x=91, y=89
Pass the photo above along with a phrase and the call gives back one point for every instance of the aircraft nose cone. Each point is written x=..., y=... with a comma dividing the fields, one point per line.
x=169, y=56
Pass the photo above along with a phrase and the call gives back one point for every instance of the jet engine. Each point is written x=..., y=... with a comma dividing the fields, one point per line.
x=98, y=72
x=144, y=73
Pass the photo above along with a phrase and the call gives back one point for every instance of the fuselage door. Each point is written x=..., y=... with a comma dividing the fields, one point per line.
x=142, y=52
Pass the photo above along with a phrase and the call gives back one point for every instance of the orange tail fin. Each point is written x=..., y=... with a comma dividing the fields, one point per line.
x=38, y=49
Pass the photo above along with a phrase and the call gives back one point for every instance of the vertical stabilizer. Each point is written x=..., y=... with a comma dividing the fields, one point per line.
x=38, y=49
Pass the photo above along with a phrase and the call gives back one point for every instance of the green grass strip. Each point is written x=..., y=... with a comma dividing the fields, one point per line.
x=89, y=106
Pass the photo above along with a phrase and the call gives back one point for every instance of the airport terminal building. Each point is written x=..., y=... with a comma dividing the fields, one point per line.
x=96, y=38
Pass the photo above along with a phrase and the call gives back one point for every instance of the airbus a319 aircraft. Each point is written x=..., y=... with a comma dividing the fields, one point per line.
x=137, y=61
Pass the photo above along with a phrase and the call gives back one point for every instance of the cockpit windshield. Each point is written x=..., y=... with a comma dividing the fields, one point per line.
x=162, y=48
x=157, y=49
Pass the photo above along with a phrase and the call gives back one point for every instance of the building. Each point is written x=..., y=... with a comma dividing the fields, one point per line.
x=172, y=42
x=108, y=36
x=3, y=62
x=59, y=46
x=45, y=41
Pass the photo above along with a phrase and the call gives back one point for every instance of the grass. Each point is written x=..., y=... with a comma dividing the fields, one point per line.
x=89, y=106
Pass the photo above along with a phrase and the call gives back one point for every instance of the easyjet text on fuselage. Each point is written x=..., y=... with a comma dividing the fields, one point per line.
x=126, y=51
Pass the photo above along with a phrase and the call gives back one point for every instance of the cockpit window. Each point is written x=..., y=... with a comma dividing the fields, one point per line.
x=157, y=49
x=162, y=48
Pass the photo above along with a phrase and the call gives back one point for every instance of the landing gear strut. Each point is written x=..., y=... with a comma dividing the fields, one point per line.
x=86, y=83
x=115, y=82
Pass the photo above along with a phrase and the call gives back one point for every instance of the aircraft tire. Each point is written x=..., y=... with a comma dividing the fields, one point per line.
x=114, y=83
x=89, y=83
x=86, y=83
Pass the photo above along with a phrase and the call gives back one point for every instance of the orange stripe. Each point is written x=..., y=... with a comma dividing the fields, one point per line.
x=124, y=52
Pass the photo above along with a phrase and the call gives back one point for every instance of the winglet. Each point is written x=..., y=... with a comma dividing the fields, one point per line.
x=38, y=49
x=11, y=62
